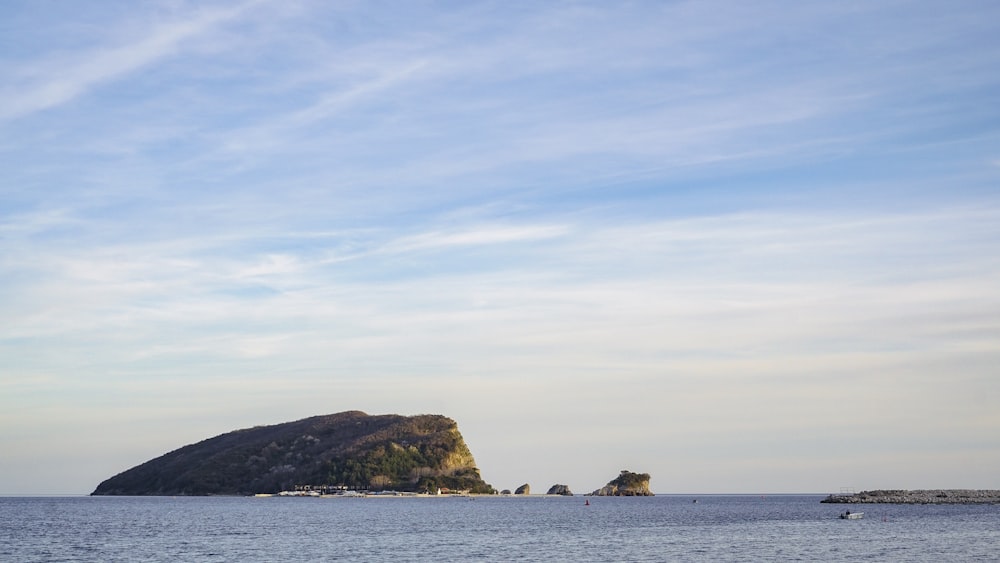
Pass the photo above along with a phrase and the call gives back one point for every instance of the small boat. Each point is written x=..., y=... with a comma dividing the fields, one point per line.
x=852, y=515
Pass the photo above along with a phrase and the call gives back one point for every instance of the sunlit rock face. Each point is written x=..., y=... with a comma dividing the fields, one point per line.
x=627, y=484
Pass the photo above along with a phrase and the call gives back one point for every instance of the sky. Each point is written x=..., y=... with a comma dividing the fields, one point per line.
x=745, y=247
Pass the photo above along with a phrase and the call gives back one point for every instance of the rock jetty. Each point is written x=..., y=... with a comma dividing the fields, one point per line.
x=930, y=496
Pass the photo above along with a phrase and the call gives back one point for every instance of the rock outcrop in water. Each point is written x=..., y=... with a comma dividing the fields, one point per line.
x=350, y=449
x=524, y=489
x=560, y=490
x=931, y=496
x=627, y=484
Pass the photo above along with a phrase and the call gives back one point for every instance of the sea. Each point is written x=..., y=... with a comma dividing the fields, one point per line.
x=534, y=528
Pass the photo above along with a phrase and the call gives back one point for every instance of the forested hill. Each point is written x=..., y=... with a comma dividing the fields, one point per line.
x=404, y=453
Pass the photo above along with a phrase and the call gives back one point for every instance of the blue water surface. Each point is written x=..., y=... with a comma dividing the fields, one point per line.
x=662, y=528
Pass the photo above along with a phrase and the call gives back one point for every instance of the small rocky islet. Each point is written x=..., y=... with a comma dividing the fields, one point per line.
x=924, y=496
x=558, y=489
x=627, y=484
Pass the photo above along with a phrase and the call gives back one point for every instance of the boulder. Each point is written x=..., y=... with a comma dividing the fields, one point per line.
x=524, y=489
x=560, y=490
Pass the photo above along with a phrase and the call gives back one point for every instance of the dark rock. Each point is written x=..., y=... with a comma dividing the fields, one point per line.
x=560, y=490
x=524, y=489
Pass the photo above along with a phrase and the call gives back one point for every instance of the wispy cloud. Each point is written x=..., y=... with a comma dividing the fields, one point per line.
x=43, y=84
x=474, y=237
x=719, y=211
x=285, y=130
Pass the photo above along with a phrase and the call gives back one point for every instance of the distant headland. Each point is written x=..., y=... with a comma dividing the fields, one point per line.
x=928, y=496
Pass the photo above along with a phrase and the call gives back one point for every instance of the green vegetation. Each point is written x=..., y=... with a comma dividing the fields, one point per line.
x=350, y=449
x=392, y=466
x=631, y=481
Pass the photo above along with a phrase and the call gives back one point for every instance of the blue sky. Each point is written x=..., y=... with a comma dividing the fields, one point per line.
x=744, y=247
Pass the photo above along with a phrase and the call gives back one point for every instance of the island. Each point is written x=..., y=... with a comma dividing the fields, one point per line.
x=928, y=496
x=627, y=484
x=348, y=451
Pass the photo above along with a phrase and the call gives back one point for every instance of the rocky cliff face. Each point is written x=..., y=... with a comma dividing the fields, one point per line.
x=627, y=484
x=351, y=448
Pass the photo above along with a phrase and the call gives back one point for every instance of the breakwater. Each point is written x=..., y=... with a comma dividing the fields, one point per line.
x=930, y=496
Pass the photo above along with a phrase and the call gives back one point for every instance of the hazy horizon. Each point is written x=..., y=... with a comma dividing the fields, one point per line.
x=742, y=247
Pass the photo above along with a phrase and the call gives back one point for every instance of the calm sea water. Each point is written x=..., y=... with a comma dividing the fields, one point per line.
x=662, y=528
